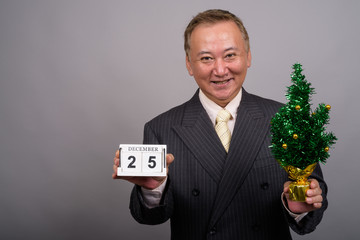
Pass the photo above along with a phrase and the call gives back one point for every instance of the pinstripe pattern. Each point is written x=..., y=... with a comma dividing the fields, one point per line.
x=215, y=195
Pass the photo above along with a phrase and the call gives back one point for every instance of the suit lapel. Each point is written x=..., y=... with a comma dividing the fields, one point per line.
x=198, y=134
x=250, y=129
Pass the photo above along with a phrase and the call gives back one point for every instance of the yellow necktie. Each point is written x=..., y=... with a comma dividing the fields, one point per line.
x=222, y=128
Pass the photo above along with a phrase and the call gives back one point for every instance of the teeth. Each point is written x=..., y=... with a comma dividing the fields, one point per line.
x=222, y=82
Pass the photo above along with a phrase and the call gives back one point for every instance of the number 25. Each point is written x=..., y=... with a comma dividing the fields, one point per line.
x=152, y=162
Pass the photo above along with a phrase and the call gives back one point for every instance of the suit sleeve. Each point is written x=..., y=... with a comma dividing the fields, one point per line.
x=138, y=209
x=313, y=218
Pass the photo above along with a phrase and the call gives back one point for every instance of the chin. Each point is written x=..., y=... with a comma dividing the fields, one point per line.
x=224, y=96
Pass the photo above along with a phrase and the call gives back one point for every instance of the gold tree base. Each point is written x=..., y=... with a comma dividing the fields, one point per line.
x=297, y=189
x=297, y=192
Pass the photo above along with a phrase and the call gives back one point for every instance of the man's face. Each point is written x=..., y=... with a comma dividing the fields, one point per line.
x=218, y=60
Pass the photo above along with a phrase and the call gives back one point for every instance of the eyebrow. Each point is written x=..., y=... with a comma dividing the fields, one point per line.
x=231, y=48
x=226, y=50
x=203, y=52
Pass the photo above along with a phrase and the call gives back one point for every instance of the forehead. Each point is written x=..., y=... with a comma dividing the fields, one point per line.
x=216, y=33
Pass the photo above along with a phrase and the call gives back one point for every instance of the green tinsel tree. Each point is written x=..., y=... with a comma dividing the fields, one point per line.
x=298, y=134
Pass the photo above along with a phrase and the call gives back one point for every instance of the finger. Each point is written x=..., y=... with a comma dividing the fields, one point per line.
x=169, y=159
x=313, y=192
x=115, y=176
x=314, y=188
x=117, y=154
x=317, y=205
x=115, y=167
x=314, y=200
x=116, y=161
x=314, y=183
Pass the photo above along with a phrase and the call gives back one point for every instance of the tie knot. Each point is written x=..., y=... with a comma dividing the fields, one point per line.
x=223, y=115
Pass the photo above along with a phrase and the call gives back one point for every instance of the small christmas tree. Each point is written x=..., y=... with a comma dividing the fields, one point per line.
x=298, y=134
x=299, y=140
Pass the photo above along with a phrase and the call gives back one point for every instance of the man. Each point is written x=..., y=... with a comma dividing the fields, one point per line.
x=219, y=188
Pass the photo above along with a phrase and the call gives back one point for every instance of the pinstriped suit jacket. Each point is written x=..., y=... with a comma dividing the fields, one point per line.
x=214, y=195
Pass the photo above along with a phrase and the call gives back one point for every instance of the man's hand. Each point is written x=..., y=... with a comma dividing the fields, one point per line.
x=146, y=182
x=313, y=198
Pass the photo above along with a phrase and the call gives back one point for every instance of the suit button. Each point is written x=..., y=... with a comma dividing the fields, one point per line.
x=212, y=231
x=264, y=186
x=195, y=192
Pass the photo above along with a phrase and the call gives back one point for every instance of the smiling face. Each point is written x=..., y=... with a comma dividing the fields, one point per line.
x=218, y=60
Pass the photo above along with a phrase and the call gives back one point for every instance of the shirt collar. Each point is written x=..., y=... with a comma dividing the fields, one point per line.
x=212, y=108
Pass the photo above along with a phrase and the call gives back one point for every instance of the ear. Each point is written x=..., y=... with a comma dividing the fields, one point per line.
x=188, y=66
x=249, y=58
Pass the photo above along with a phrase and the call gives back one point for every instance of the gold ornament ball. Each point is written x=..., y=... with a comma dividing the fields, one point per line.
x=295, y=136
x=328, y=107
x=297, y=107
x=326, y=149
x=284, y=146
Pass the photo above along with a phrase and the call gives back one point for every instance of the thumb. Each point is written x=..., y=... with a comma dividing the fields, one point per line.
x=286, y=186
x=169, y=159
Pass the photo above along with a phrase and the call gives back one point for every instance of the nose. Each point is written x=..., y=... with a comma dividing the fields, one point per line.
x=220, y=68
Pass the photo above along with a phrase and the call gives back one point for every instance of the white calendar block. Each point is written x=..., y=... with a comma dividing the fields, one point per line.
x=142, y=160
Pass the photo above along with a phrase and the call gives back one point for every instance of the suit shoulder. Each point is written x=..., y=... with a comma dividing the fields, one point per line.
x=267, y=105
x=267, y=101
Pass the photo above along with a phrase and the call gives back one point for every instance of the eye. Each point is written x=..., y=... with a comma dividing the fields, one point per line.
x=230, y=56
x=206, y=59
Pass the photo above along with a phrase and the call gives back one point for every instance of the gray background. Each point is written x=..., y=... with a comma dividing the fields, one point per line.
x=79, y=77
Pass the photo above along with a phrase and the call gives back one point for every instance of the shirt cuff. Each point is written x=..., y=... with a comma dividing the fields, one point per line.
x=152, y=197
x=297, y=217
